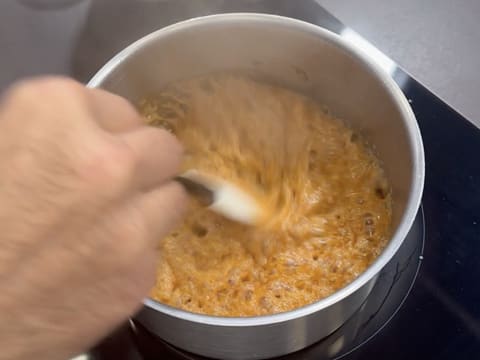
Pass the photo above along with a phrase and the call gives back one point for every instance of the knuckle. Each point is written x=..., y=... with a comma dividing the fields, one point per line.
x=109, y=168
x=45, y=86
x=36, y=96
x=174, y=144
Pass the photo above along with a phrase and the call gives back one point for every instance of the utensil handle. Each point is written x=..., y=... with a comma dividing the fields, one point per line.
x=197, y=190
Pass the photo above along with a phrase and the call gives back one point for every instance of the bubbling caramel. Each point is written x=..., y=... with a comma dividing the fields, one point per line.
x=326, y=196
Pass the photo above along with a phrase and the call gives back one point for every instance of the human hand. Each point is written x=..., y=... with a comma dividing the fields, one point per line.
x=85, y=195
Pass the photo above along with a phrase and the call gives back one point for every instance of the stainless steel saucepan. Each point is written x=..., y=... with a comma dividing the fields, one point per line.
x=309, y=59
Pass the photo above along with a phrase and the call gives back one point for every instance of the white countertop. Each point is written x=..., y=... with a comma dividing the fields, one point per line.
x=437, y=41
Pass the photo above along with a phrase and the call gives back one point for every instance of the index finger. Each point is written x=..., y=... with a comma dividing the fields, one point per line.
x=158, y=155
x=112, y=112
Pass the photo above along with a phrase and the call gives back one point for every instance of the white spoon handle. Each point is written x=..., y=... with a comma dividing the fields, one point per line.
x=222, y=197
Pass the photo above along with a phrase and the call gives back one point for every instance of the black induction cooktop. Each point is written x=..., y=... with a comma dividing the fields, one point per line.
x=426, y=303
